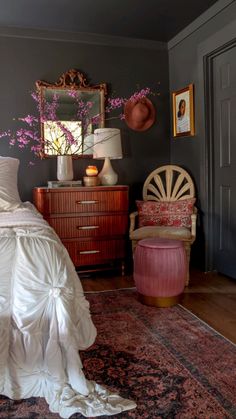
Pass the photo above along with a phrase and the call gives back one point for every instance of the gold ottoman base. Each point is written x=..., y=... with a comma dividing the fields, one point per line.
x=159, y=301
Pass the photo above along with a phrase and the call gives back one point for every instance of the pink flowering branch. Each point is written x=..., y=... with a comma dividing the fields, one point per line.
x=67, y=138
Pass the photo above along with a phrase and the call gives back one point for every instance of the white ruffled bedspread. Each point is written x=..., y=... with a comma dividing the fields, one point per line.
x=44, y=321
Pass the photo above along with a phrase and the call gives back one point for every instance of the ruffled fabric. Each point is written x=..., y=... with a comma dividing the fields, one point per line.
x=44, y=322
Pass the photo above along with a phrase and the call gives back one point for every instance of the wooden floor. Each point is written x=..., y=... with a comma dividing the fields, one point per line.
x=210, y=296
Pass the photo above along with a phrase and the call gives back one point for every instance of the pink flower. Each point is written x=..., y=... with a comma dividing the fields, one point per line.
x=68, y=134
x=115, y=103
x=140, y=94
x=29, y=119
x=61, y=140
x=73, y=93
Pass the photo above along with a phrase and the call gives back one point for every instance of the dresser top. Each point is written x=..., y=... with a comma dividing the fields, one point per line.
x=83, y=188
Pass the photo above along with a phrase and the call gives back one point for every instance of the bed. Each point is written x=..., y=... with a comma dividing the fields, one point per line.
x=44, y=315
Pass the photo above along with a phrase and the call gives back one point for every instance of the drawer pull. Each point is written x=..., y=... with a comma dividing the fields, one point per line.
x=88, y=252
x=87, y=227
x=86, y=202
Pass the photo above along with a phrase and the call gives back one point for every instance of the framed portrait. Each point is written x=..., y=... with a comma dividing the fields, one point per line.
x=183, y=112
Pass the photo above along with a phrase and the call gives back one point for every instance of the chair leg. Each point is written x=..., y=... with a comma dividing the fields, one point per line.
x=188, y=251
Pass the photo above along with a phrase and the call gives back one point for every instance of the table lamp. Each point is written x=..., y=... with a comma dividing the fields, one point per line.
x=107, y=145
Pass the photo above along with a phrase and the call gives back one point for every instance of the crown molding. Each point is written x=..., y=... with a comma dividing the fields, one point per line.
x=81, y=37
x=205, y=17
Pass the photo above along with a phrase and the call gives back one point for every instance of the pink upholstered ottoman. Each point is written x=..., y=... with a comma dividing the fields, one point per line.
x=160, y=268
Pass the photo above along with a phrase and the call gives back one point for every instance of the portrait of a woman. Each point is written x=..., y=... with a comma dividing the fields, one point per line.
x=183, y=121
x=183, y=112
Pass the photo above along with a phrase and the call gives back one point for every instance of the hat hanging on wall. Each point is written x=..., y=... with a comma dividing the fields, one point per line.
x=139, y=114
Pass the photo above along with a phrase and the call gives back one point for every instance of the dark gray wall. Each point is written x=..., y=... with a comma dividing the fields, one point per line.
x=186, y=65
x=27, y=56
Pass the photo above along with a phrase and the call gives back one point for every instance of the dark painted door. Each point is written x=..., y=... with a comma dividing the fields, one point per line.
x=224, y=170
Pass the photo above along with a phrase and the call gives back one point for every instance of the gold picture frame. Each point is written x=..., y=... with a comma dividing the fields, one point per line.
x=183, y=112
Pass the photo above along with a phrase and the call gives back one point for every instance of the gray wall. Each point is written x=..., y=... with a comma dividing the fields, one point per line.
x=186, y=65
x=27, y=56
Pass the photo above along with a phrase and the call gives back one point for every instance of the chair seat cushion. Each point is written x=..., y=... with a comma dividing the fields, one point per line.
x=178, y=233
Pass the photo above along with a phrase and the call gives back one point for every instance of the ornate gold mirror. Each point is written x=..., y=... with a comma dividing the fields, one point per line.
x=70, y=110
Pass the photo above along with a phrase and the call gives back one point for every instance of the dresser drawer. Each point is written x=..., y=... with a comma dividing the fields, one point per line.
x=92, y=222
x=92, y=252
x=86, y=226
x=87, y=202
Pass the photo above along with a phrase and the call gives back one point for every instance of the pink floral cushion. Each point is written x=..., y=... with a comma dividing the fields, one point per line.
x=172, y=213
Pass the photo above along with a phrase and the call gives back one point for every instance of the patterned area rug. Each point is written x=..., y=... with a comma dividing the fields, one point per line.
x=170, y=362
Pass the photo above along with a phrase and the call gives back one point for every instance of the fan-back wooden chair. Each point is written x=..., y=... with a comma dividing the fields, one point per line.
x=167, y=184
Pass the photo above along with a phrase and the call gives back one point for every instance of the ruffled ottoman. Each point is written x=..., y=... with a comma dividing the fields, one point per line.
x=160, y=268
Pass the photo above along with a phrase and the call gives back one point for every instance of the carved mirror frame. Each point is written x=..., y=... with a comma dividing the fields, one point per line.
x=71, y=81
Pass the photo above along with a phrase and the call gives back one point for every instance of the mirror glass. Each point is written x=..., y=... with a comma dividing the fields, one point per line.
x=70, y=110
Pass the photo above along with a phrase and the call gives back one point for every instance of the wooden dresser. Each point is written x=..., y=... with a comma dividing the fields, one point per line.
x=92, y=222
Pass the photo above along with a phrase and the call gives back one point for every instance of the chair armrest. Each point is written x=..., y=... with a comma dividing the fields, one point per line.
x=194, y=222
x=132, y=217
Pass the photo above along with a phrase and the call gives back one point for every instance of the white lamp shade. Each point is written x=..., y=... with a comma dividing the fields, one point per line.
x=107, y=143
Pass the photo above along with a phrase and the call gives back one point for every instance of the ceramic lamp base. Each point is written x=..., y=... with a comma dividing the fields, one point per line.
x=107, y=175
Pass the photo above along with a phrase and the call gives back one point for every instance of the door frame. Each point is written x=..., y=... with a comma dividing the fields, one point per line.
x=209, y=149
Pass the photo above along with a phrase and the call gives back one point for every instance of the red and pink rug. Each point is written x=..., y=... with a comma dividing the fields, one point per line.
x=167, y=360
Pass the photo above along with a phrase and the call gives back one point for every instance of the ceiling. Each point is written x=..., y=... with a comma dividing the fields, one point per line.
x=158, y=20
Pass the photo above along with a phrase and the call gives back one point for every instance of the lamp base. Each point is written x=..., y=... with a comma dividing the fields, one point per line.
x=107, y=175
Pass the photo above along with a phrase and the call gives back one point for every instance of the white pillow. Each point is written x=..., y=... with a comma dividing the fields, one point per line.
x=9, y=196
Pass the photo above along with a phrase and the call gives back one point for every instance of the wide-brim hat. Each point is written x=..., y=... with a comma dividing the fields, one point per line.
x=139, y=114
